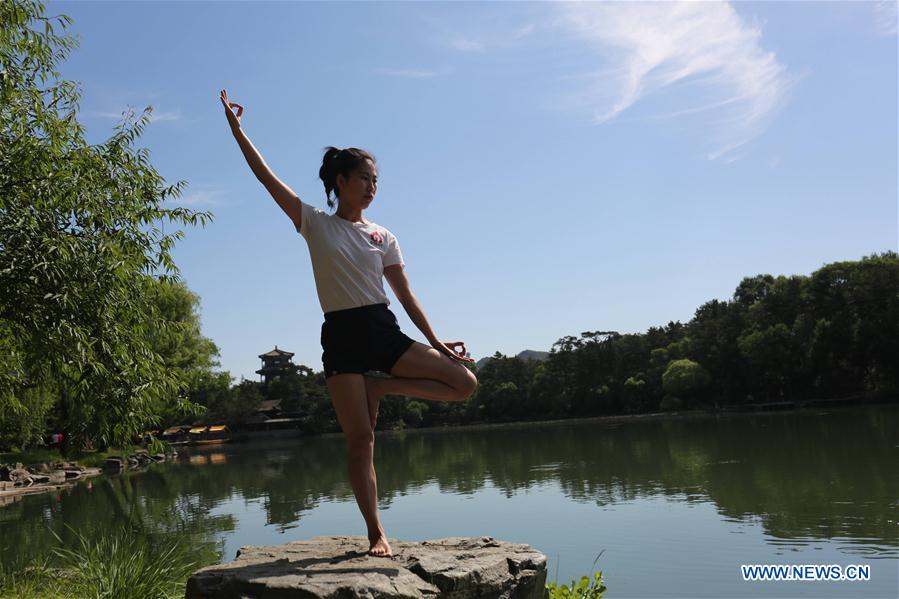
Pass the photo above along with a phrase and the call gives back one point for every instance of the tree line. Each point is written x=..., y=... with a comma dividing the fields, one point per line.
x=778, y=340
x=832, y=334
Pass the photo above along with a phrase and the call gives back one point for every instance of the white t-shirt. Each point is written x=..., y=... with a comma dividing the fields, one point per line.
x=348, y=259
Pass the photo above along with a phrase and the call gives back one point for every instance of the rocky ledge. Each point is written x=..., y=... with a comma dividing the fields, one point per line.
x=338, y=568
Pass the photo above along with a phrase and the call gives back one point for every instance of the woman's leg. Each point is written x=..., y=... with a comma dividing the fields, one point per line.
x=422, y=372
x=348, y=394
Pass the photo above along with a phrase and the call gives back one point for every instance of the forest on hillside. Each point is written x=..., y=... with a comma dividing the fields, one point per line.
x=832, y=334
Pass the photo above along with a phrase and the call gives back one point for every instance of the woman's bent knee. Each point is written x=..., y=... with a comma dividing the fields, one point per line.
x=467, y=385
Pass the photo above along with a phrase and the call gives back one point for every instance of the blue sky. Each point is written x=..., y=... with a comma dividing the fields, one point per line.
x=548, y=168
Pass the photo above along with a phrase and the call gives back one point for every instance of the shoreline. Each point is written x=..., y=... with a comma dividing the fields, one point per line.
x=613, y=419
x=10, y=495
x=72, y=472
x=622, y=418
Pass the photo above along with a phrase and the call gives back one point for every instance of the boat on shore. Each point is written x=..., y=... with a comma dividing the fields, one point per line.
x=209, y=435
x=196, y=435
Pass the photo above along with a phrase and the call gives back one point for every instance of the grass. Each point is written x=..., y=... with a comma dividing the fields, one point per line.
x=31, y=582
x=124, y=565
x=578, y=589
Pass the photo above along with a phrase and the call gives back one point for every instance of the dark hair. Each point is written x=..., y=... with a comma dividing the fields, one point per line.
x=340, y=162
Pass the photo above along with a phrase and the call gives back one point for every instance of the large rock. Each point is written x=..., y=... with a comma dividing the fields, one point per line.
x=20, y=476
x=338, y=568
x=42, y=468
x=67, y=466
x=57, y=477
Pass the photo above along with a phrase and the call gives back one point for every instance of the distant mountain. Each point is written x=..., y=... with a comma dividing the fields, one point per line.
x=528, y=354
x=532, y=354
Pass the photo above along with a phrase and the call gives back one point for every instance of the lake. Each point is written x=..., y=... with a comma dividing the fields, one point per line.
x=674, y=505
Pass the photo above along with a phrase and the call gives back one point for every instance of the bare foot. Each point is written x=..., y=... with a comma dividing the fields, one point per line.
x=380, y=547
x=373, y=394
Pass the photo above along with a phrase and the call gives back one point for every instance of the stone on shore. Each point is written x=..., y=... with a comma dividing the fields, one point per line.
x=20, y=476
x=339, y=568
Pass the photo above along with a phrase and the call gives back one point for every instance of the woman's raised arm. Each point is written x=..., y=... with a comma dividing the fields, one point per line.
x=286, y=198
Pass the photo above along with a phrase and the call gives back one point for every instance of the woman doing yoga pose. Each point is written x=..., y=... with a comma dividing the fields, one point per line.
x=350, y=256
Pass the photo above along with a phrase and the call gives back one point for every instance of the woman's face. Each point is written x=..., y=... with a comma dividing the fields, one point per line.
x=359, y=189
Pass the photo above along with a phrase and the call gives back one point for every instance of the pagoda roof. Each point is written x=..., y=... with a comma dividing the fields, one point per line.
x=274, y=353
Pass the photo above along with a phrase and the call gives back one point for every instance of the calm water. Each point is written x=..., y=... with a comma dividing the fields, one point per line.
x=675, y=505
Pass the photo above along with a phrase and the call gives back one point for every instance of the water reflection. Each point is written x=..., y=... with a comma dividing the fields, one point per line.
x=156, y=504
x=802, y=477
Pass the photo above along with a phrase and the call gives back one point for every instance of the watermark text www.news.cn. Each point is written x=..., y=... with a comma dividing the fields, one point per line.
x=805, y=572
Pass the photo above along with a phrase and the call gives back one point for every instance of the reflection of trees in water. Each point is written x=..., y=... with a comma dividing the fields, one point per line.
x=157, y=505
x=822, y=477
x=801, y=475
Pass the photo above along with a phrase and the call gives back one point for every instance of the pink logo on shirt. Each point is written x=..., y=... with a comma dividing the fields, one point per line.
x=376, y=238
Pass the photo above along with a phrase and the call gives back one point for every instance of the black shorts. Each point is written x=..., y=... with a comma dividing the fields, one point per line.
x=361, y=339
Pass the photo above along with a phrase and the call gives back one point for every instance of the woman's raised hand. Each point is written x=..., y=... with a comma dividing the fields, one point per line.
x=233, y=119
x=450, y=349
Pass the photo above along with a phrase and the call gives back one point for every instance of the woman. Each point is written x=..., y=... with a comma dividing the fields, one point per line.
x=350, y=255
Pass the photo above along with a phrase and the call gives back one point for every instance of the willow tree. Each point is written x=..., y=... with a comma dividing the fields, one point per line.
x=81, y=231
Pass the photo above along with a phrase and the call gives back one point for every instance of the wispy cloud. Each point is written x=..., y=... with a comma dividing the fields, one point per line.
x=413, y=73
x=467, y=44
x=661, y=47
x=201, y=195
x=488, y=40
x=155, y=116
x=886, y=17
x=166, y=116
